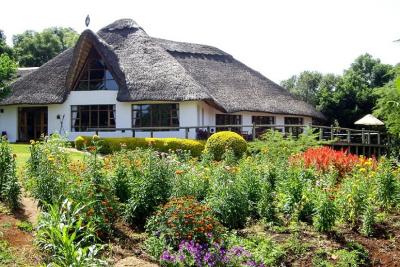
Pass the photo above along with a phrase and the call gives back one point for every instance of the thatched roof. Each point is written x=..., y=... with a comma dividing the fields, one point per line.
x=24, y=71
x=148, y=68
x=369, y=120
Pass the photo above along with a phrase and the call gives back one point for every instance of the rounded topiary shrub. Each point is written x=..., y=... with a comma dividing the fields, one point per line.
x=219, y=142
x=80, y=142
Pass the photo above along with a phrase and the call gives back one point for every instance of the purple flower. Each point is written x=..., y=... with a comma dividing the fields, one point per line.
x=166, y=256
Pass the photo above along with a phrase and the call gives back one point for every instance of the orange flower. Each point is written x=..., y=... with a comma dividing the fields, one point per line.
x=179, y=172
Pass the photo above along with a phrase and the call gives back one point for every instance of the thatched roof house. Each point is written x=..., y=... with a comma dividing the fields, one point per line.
x=123, y=61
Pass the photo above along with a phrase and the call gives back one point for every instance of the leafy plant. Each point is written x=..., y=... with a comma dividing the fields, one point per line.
x=68, y=238
x=10, y=189
x=228, y=199
x=150, y=185
x=47, y=169
x=25, y=226
x=325, y=214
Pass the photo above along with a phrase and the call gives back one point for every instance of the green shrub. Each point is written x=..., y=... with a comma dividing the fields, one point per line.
x=324, y=217
x=47, y=169
x=10, y=189
x=150, y=184
x=80, y=143
x=190, y=179
x=387, y=184
x=228, y=199
x=295, y=191
x=110, y=145
x=25, y=226
x=368, y=220
x=67, y=236
x=185, y=219
x=264, y=249
x=219, y=142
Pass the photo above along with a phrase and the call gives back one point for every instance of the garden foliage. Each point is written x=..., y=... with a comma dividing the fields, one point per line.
x=110, y=145
x=10, y=190
x=191, y=207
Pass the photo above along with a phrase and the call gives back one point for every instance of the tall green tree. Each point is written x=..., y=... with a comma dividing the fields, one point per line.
x=354, y=94
x=305, y=86
x=33, y=49
x=7, y=71
x=344, y=98
x=4, y=48
x=388, y=103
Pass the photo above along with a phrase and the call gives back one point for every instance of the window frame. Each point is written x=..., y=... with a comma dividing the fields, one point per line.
x=92, y=109
x=173, y=116
x=229, y=118
x=256, y=119
x=86, y=70
x=295, y=131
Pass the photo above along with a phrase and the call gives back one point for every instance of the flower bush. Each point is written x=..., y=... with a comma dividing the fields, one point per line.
x=185, y=219
x=150, y=175
x=325, y=158
x=47, y=169
x=191, y=253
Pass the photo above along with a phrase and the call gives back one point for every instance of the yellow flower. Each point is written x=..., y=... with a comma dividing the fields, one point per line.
x=50, y=158
x=363, y=170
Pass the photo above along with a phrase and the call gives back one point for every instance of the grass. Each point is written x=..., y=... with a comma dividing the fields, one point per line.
x=5, y=253
x=23, y=153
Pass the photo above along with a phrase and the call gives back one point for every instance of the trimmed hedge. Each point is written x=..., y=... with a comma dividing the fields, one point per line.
x=111, y=144
x=219, y=142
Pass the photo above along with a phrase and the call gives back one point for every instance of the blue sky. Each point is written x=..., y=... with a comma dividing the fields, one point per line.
x=276, y=38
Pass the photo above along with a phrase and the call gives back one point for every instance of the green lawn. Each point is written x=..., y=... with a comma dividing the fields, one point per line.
x=23, y=154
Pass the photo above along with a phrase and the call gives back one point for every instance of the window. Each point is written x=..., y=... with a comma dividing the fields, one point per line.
x=294, y=121
x=95, y=75
x=228, y=119
x=92, y=116
x=155, y=115
x=262, y=120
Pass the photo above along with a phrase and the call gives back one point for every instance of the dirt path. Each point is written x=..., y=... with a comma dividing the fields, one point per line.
x=134, y=262
x=29, y=210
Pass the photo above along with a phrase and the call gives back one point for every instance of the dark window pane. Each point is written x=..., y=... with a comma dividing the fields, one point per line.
x=111, y=85
x=228, y=119
x=95, y=75
x=83, y=85
x=155, y=115
x=92, y=116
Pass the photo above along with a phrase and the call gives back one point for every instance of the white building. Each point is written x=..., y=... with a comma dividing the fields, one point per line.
x=123, y=78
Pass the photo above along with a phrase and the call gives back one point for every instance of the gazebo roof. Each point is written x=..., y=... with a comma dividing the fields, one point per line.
x=369, y=120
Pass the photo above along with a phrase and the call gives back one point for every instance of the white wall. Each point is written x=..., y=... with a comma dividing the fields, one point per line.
x=210, y=113
x=187, y=115
x=9, y=122
x=191, y=113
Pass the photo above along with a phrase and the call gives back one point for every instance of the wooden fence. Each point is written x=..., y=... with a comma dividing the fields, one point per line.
x=361, y=142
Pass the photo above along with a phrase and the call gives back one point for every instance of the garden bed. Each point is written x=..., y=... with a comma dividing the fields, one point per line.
x=282, y=202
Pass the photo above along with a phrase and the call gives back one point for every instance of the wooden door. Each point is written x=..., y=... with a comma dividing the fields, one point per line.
x=32, y=123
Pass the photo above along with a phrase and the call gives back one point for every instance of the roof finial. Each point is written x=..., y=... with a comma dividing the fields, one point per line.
x=87, y=21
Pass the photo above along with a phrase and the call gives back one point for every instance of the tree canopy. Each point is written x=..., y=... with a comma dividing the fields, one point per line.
x=343, y=98
x=33, y=49
x=388, y=104
x=7, y=70
x=4, y=48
